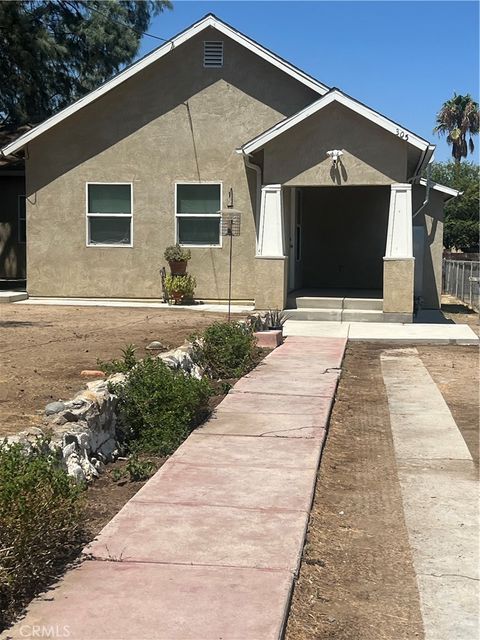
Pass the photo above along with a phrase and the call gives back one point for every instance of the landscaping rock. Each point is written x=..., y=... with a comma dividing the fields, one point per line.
x=155, y=346
x=54, y=407
x=181, y=358
x=84, y=428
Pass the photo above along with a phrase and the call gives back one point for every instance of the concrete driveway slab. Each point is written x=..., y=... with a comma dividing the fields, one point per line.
x=264, y=425
x=252, y=488
x=202, y=535
x=440, y=497
x=136, y=601
x=319, y=407
x=445, y=593
x=426, y=435
x=264, y=453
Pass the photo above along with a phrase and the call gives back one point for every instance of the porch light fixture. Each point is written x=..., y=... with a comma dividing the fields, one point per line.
x=334, y=154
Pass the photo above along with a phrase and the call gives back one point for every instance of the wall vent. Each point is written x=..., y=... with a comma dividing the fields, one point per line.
x=213, y=54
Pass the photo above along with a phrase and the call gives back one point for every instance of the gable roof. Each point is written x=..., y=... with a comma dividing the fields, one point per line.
x=209, y=20
x=335, y=95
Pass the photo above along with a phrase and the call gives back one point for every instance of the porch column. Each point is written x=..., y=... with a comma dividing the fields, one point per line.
x=270, y=227
x=271, y=262
x=398, y=263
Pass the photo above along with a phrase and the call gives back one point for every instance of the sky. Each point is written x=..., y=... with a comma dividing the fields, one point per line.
x=403, y=59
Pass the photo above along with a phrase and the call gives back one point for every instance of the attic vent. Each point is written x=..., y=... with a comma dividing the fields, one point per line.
x=213, y=54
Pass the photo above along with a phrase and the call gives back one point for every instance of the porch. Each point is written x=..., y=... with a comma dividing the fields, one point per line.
x=348, y=250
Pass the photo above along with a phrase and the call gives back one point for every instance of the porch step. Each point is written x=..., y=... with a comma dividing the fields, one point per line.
x=369, y=304
x=320, y=302
x=334, y=315
x=12, y=296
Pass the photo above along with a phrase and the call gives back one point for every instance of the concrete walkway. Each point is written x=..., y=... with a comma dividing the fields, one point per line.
x=439, y=487
x=417, y=333
x=133, y=304
x=209, y=547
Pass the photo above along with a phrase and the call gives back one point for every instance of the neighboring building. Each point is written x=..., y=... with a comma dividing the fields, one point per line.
x=151, y=156
x=12, y=213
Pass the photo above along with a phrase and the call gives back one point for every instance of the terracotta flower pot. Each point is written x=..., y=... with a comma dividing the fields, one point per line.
x=177, y=297
x=178, y=268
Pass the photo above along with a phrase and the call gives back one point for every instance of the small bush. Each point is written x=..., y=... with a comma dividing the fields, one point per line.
x=176, y=253
x=159, y=406
x=125, y=364
x=225, y=350
x=183, y=286
x=136, y=469
x=40, y=524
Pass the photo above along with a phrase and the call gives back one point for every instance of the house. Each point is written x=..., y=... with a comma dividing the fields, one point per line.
x=329, y=189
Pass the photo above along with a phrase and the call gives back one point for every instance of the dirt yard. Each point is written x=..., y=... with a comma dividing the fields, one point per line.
x=357, y=579
x=455, y=310
x=44, y=349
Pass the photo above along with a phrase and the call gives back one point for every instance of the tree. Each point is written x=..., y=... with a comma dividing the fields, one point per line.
x=461, y=214
x=458, y=119
x=52, y=52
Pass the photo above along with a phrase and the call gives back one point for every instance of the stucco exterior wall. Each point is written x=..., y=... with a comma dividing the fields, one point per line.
x=372, y=156
x=174, y=121
x=12, y=252
x=344, y=234
x=431, y=219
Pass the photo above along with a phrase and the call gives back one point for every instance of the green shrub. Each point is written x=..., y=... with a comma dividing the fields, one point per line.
x=125, y=364
x=225, y=350
x=160, y=406
x=181, y=286
x=176, y=253
x=41, y=513
x=136, y=469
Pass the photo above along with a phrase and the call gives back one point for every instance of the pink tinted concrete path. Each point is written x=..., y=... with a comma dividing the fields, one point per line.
x=208, y=549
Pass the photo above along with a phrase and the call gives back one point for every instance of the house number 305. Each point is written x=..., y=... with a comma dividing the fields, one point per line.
x=402, y=134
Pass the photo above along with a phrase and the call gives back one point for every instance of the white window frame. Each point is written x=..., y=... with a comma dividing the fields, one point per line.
x=20, y=219
x=203, y=215
x=108, y=215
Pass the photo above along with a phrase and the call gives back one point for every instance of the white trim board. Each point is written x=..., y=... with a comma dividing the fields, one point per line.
x=209, y=20
x=453, y=193
x=334, y=96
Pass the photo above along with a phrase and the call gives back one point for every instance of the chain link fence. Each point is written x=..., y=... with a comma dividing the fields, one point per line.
x=461, y=279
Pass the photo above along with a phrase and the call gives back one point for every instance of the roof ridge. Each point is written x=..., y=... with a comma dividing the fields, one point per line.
x=209, y=19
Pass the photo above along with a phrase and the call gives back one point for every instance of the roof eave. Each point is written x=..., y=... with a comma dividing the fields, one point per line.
x=334, y=95
x=448, y=191
x=209, y=20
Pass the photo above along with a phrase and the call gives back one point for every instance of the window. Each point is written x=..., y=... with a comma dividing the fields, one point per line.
x=109, y=215
x=213, y=54
x=22, y=219
x=197, y=214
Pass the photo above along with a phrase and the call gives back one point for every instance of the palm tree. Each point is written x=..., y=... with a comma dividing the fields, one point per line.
x=458, y=119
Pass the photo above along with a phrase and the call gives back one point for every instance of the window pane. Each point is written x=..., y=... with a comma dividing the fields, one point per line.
x=109, y=230
x=109, y=198
x=198, y=198
x=199, y=230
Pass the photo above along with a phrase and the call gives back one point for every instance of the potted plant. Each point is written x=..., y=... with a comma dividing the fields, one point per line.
x=177, y=257
x=180, y=288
